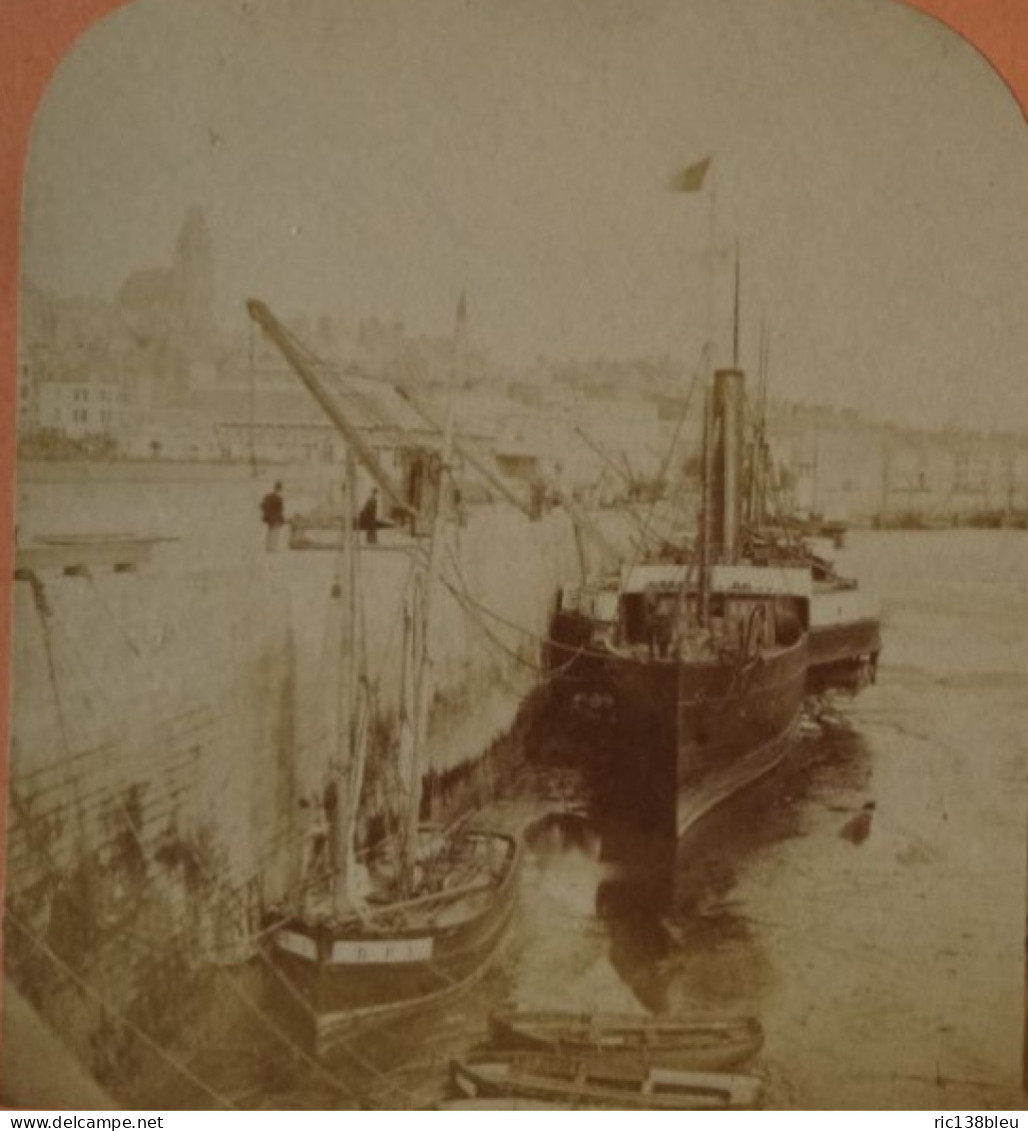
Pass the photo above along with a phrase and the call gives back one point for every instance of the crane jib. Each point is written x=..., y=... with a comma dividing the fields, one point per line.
x=281, y=338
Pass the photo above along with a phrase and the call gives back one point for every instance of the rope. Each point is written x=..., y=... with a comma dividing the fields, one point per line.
x=231, y=896
x=43, y=608
x=86, y=988
x=680, y=427
x=319, y=1070
x=152, y=949
x=465, y=599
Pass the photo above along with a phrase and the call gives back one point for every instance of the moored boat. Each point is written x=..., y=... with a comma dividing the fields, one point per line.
x=699, y=1043
x=506, y=1103
x=702, y=665
x=396, y=955
x=845, y=637
x=602, y=1082
x=843, y=618
x=403, y=924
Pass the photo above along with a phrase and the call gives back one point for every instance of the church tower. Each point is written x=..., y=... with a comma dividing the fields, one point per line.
x=193, y=277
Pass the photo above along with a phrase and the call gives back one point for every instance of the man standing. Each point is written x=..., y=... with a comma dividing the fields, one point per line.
x=367, y=520
x=273, y=515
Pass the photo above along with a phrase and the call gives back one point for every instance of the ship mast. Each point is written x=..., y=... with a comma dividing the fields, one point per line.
x=755, y=472
x=423, y=684
x=705, y=517
x=349, y=770
x=735, y=318
x=720, y=527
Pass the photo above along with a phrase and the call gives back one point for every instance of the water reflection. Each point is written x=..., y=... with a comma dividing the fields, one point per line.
x=679, y=939
x=685, y=878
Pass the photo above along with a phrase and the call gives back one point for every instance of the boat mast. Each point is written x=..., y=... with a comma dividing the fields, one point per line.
x=764, y=454
x=360, y=704
x=814, y=499
x=345, y=771
x=706, y=517
x=756, y=503
x=735, y=316
x=725, y=451
x=423, y=669
x=728, y=412
x=722, y=464
x=721, y=450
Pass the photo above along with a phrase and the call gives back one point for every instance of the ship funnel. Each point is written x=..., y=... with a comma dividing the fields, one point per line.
x=726, y=479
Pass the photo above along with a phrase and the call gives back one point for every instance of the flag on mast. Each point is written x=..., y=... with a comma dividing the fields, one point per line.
x=691, y=180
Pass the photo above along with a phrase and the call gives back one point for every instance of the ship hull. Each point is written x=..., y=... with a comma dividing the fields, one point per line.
x=395, y=959
x=843, y=656
x=574, y=662
x=686, y=735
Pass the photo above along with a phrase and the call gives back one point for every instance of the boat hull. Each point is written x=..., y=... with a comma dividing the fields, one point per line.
x=507, y=1103
x=600, y=1082
x=397, y=959
x=843, y=657
x=680, y=1043
x=685, y=735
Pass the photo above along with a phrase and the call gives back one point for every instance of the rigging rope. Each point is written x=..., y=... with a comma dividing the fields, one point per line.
x=229, y=896
x=701, y=366
x=159, y=1050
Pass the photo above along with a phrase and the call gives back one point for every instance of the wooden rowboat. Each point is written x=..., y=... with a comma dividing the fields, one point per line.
x=680, y=1042
x=601, y=1083
x=505, y=1103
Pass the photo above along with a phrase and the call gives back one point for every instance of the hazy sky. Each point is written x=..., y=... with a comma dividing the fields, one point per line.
x=362, y=157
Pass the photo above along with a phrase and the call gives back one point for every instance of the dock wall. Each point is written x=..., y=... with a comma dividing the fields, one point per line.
x=168, y=723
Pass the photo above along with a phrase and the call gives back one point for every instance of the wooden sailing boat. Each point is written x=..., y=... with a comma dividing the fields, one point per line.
x=408, y=923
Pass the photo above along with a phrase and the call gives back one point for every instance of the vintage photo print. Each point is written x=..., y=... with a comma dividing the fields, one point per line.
x=521, y=562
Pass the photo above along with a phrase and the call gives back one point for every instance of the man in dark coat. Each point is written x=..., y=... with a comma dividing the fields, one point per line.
x=367, y=520
x=273, y=515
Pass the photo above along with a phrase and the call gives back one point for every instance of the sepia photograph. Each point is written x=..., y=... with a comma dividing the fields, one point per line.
x=520, y=562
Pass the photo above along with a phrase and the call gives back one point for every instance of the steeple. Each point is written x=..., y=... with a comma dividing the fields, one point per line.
x=193, y=274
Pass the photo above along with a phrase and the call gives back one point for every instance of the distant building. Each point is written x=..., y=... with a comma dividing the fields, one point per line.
x=28, y=397
x=80, y=408
x=172, y=434
x=272, y=441
x=840, y=465
x=168, y=311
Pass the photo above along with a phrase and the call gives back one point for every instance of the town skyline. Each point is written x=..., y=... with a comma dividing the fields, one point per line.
x=152, y=376
x=528, y=160
x=161, y=331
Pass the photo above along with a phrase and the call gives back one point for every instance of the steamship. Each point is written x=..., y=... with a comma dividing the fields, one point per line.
x=701, y=664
